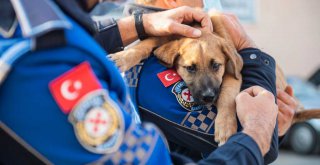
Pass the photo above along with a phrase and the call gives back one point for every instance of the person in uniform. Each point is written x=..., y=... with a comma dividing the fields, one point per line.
x=63, y=102
x=189, y=128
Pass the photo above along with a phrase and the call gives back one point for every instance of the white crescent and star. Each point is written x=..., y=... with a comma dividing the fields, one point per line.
x=170, y=78
x=65, y=91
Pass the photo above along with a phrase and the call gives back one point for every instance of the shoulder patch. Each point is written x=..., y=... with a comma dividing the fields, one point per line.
x=184, y=97
x=98, y=122
x=68, y=88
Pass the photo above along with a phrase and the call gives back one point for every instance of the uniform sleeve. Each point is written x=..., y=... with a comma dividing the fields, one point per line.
x=108, y=35
x=239, y=149
x=259, y=69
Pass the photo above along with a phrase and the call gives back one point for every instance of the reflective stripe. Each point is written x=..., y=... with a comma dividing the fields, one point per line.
x=11, y=55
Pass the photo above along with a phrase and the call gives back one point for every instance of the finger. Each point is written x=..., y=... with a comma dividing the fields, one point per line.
x=198, y=16
x=285, y=109
x=280, y=119
x=289, y=90
x=254, y=90
x=281, y=106
x=286, y=98
x=214, y=11
x=184, y=30
x=281, y=123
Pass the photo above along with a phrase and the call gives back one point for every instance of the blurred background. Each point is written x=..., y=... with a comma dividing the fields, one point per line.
x=289, y=30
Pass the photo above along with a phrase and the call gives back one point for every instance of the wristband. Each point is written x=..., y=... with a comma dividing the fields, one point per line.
x=139, y=25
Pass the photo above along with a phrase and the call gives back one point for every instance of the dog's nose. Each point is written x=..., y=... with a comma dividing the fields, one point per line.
x=208, y=96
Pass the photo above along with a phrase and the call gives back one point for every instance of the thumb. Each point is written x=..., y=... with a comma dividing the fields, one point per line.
x=185, y=30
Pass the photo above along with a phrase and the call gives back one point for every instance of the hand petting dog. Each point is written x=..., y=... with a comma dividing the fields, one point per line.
x=166, y=23
x=174, y=22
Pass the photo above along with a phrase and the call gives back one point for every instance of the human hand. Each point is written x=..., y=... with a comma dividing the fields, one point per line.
x=257, y=112
x=238, y=35
x=174, y=22
x=287, y=108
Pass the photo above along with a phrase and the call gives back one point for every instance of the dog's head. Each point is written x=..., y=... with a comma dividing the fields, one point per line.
x=201, y=63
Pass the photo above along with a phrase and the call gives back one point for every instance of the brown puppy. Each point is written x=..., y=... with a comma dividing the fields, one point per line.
x=210, y=66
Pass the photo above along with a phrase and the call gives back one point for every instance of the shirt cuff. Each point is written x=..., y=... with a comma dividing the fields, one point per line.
x=108, y=35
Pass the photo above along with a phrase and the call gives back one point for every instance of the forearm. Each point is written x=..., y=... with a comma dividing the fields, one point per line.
x=127, y=30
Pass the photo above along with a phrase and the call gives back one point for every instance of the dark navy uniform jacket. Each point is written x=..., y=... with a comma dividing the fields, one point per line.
x=30, y=105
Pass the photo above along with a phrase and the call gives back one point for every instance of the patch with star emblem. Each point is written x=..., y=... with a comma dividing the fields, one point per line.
x=184, y=97
x=98, y=122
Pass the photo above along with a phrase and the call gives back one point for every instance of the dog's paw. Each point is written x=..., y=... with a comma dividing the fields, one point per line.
x=125, y=60
x=225, y=126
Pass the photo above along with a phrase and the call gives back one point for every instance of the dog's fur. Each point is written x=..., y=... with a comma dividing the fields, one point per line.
x=210, y=66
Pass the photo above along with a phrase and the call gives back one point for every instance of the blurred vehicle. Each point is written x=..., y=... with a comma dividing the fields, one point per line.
x=304, y=137
x=315, y=78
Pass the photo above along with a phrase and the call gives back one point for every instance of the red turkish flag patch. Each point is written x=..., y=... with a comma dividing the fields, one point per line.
x=168, y=77
x=68, y=89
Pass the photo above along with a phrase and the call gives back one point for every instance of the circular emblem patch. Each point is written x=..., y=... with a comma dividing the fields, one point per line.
x=184, y=97
x=98, y=122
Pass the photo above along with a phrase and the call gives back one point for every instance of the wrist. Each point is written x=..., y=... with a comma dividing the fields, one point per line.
x=146, y=23
x=139, y=25
x=127, y=30
x=261, y=136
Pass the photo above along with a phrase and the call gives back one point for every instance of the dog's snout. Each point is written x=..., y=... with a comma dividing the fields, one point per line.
x=208, y=96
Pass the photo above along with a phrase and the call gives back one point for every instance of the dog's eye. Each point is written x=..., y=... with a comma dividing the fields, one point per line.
x=191, y=69
x=216, y=66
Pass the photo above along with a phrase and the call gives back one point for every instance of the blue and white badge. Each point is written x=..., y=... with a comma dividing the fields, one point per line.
x=98, y=122
x=184, y=97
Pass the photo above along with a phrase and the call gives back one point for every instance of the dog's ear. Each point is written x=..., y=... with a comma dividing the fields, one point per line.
x=218, y=26
x=234, y=60
x=168, y=53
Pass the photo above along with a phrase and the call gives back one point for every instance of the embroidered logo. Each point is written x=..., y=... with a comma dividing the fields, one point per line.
x=98, y=122
x=184, y=97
